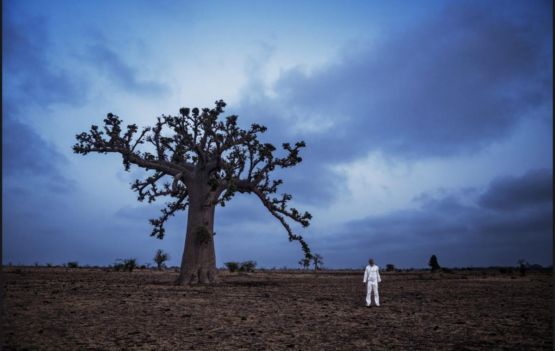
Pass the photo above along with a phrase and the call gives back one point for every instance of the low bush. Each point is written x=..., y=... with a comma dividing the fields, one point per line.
x=247, y=266
x=73, y=264
x=126, y=265
x=232, y=266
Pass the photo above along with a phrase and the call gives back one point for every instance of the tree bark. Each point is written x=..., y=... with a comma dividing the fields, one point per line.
x=198, y=264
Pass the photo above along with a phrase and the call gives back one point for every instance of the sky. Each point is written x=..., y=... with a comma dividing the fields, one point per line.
x=429, y=126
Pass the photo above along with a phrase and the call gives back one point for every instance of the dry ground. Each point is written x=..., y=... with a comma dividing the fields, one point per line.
x=86, y=309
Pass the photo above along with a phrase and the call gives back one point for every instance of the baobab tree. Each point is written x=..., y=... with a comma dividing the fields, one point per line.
x=199, y=161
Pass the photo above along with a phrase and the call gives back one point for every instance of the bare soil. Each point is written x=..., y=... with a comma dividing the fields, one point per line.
x=88, y=309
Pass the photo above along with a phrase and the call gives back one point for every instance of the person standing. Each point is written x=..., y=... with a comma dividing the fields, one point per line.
x=372, y=278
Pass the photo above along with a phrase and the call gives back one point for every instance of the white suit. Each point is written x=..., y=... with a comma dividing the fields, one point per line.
x=372, y=277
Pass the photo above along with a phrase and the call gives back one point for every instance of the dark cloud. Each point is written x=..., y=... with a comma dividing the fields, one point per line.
x=510, y=193
x=30, y=78
x=452, y=83
x=25, y=153
x=462, y=232
x=121, y=73
x=449, y=84
x=31, y=75
x=29, y=162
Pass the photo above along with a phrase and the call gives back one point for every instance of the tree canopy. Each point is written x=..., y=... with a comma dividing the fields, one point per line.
x=196, y=146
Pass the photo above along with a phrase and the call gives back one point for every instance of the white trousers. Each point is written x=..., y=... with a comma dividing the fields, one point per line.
x=372, y=287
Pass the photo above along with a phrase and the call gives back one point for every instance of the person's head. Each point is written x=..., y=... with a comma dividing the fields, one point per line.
x=371, y=261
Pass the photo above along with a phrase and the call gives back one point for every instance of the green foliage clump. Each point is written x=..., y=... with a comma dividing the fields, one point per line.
x=232, y=266
x=73, y=264
x=126, y=265
x=389, y=267
x=203, y=234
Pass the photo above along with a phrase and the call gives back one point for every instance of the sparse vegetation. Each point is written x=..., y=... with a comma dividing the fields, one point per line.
x=390, y=267
x=126, y=265
x=73, y=264
x=160, y=258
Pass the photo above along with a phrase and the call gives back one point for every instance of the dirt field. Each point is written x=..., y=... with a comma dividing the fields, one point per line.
x=80, y=309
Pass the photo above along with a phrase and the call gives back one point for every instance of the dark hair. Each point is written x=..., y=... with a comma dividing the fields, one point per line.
x=371, y=261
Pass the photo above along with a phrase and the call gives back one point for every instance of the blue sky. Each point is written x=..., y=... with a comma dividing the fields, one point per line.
x=428, y=125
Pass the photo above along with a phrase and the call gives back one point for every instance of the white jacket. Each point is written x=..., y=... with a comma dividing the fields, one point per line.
x=372, y=274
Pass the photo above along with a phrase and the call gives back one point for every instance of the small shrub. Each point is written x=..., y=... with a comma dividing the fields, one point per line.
x=433, y=263
x=73, y=264
x=390, y=267
x=126, y=265
x=247, y=266
x=160, y=258
x=232, y=266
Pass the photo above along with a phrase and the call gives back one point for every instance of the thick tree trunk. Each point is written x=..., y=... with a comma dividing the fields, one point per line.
x=198, y=264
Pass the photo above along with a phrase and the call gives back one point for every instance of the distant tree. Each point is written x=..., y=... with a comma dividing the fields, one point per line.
x=232, y=266
x=318, y=261
x=523, y=266
x=73, y=264
x=390, y=267
x=434, y=265
x=160, y=257
x=200, y=162
x=305, y=263
x=247, y=266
